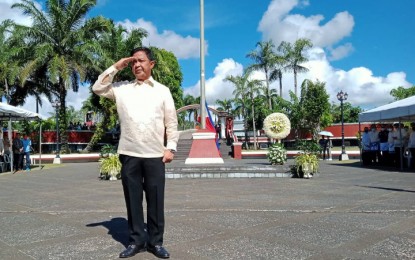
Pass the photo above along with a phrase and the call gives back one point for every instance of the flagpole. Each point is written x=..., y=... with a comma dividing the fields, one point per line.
x=202, y=68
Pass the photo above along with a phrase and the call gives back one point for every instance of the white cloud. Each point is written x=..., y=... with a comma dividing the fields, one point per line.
x=279, y=25
x=340, y=51
x=365, y=89
x=6, y=12
x=168, y=39
x=215, y=87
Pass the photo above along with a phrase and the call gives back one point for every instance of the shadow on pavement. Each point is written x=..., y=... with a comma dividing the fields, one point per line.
x=385, y=188
x=117, y=228
x=348, y=164
x=375, y=167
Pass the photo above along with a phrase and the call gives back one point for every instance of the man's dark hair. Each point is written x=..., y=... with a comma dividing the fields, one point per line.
x=146, y=50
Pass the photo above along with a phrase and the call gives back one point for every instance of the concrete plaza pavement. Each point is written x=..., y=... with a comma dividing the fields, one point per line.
x=346, y=212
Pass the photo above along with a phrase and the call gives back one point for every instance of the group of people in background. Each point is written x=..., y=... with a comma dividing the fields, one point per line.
x=21, y=150
x=387, y=145
x=85, y=126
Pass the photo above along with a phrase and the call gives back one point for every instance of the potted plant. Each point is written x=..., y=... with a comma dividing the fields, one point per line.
x=110, y=167
x=306, y=165
x=277, y=155
x=106, y=150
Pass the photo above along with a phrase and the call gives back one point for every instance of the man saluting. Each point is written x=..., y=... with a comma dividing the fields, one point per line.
x=146, y=112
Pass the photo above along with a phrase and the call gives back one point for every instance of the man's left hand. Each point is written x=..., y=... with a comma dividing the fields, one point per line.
x=168, y=156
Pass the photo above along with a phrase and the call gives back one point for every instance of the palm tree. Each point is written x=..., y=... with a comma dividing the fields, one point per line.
x=189, y=100
x=274, y=99
x=245, y=92
x=9, y=65
x=224, y=105
x=74, y=115
x=14, y=54
x=276, y=73
x=239, y=107
x=265, y=60
x=293, y=55
x=64, y=42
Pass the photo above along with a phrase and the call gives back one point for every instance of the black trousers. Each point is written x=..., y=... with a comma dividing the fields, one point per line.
x=412, y=150
x=17, y=161
x=147, y=175
x=398, y=153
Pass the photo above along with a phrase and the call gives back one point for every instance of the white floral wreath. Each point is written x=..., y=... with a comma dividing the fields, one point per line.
x=277, y=125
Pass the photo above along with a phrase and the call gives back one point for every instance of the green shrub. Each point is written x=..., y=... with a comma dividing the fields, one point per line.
x=106, y=150
x=308, y=146
x=110, y=167
x=305, y=164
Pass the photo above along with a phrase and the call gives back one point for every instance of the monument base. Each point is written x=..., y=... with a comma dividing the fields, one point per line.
x=57, y=160
x=204, y=149
x=343, y=157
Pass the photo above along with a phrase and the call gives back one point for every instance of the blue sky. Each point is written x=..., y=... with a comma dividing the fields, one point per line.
x=363, y=47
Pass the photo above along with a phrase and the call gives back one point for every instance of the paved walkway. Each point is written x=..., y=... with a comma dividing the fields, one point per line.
x=346, y=212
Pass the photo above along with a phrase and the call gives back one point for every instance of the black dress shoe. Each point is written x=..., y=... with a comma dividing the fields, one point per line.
x=158, y=251
x=132, y=250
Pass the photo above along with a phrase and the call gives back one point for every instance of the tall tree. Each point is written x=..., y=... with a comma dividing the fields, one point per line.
x=189, y=100
x=295, y=112
x=350, y=113
x=245, y=91
x=401, y=92
x=265, y=60
x=15, y=52
x=74, y=115
x=224, y=105
x=276, y=73
x=315, y=103
x=294, y=57
x=167, y=71
x=65, y=43
x=9, y=64
x=239, y=107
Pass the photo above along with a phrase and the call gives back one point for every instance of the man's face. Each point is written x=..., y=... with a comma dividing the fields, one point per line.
x=142, y=66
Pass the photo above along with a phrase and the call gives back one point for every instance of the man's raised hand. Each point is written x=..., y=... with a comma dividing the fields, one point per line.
x=121, y=64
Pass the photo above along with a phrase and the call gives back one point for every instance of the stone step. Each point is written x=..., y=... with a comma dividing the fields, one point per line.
x=183, y=149
x=225, y=150
x=178, y=171
x=225, y=175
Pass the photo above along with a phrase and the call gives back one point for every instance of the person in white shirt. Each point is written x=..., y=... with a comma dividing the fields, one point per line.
x=366, y=158
x=391, y=144
x=374, y=144
x=146, y=114
x=399, y=140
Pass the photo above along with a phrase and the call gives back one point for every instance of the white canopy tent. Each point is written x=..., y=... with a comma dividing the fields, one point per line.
x=11, y=113
x=401, y=110
x=398, y=111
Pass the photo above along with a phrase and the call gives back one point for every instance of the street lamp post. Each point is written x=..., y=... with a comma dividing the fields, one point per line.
x=342, y=97
x=57, y=159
